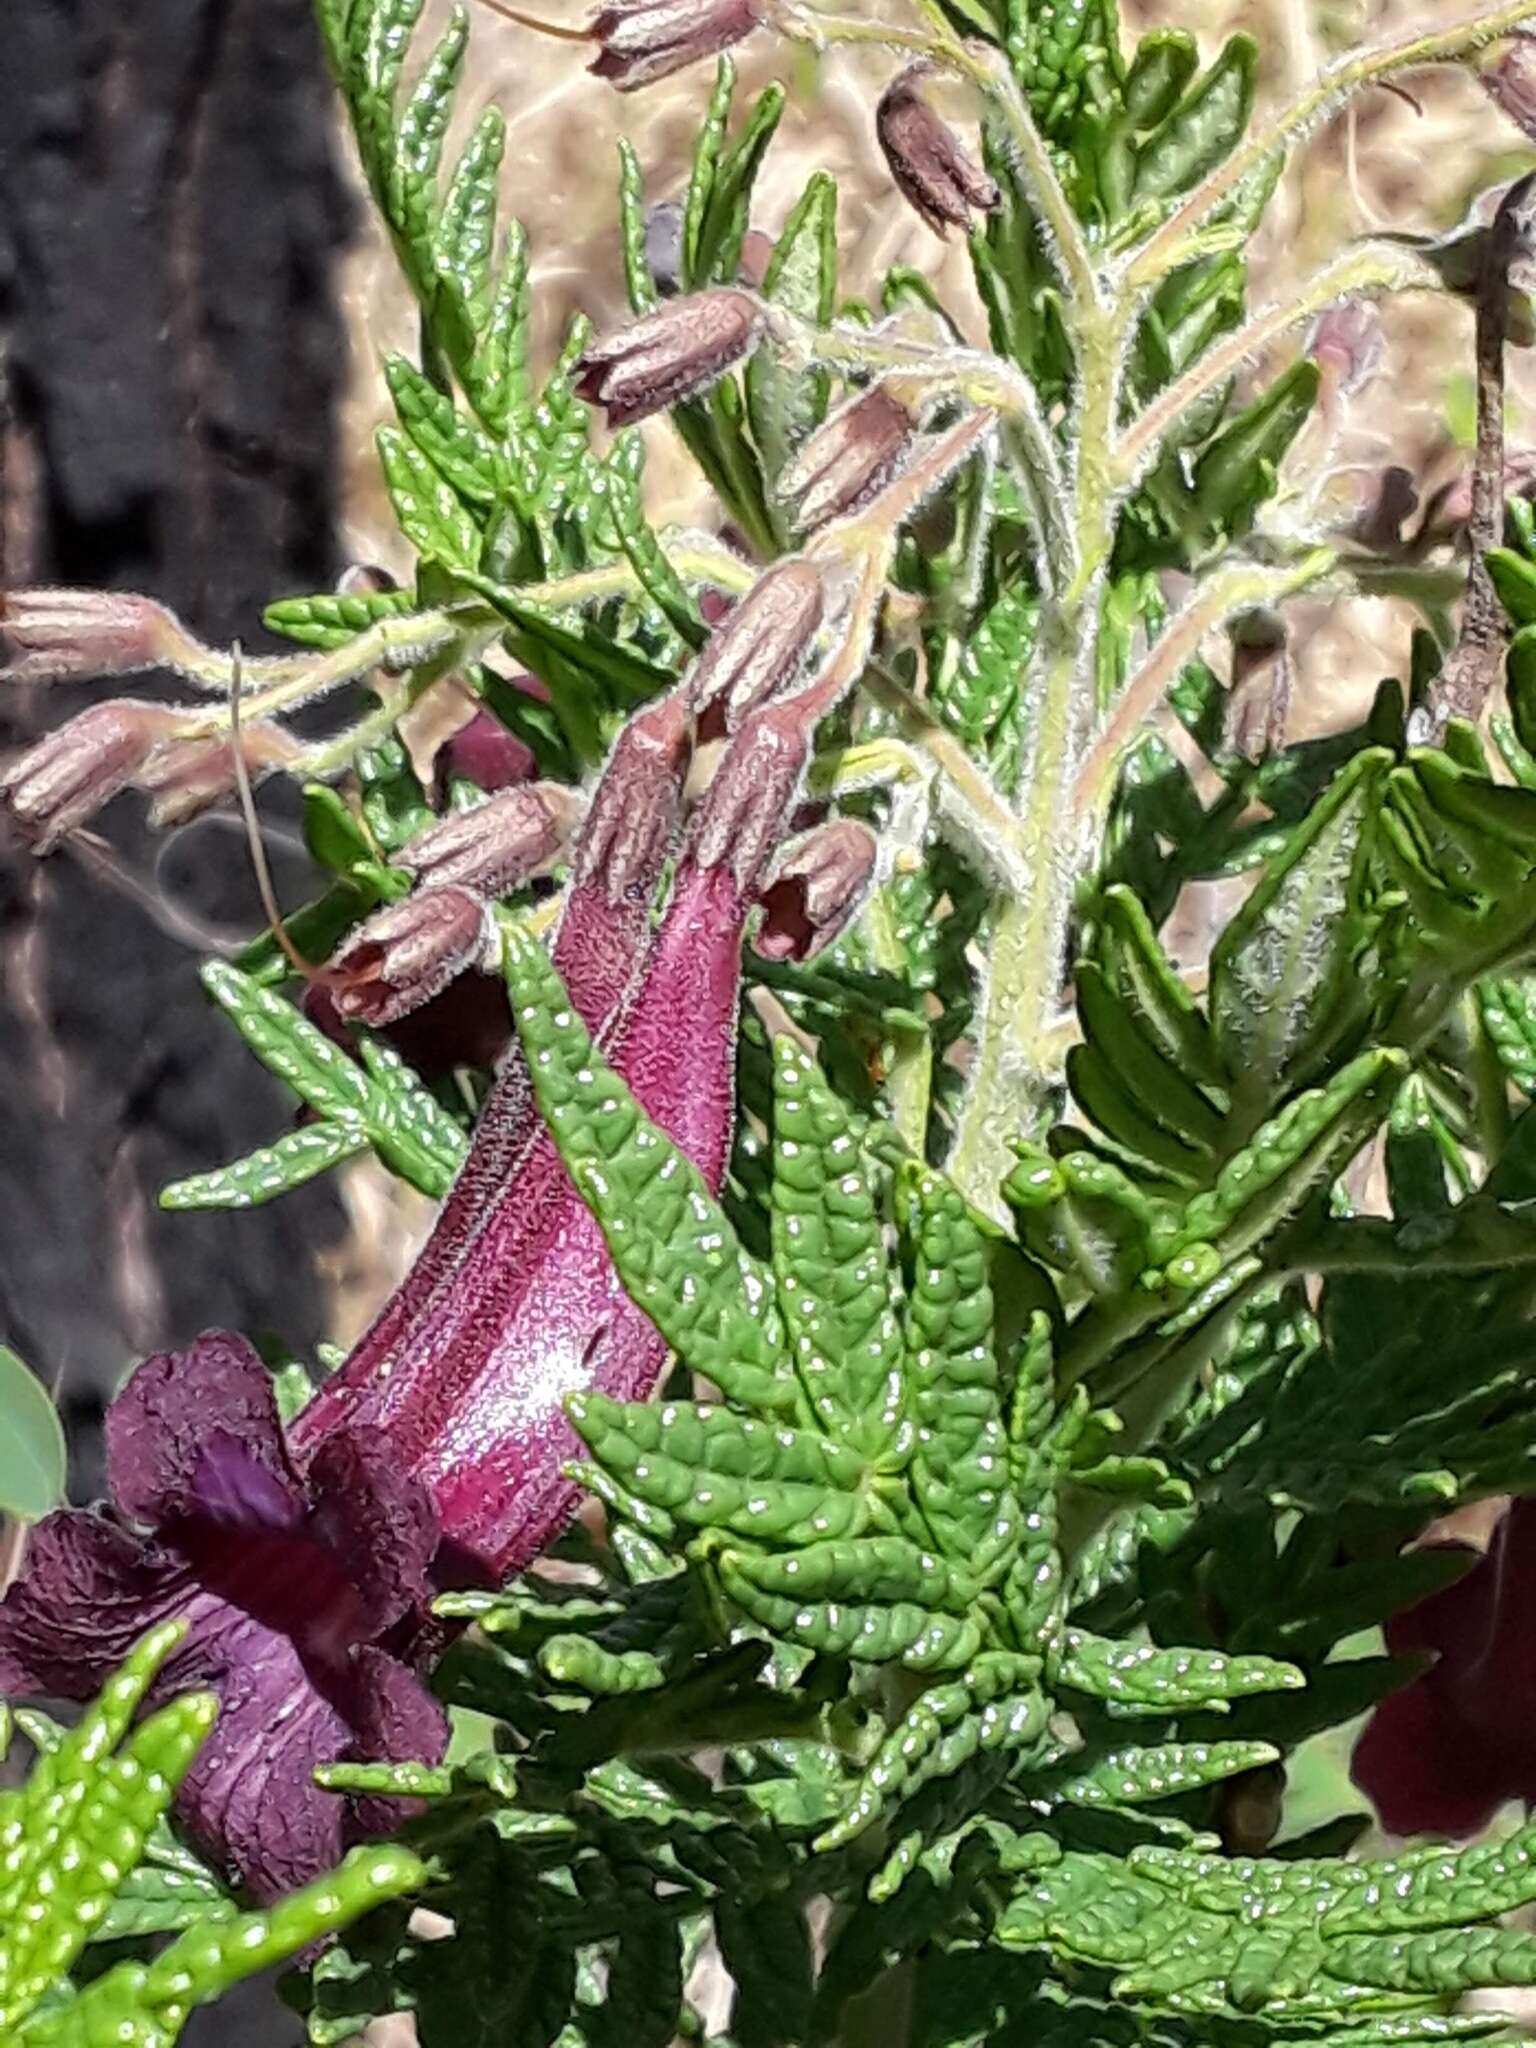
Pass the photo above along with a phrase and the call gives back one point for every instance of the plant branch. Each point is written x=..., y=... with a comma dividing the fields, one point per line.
x=1168, y=247
x=1370, y=268
x=1237, y=588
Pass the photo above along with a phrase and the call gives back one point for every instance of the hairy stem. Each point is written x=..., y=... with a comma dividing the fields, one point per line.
x=1371, y=268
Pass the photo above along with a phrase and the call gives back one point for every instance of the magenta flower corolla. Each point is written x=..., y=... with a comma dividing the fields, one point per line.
x=513, y=1303
x=1443, y=1754
x=297, y=1590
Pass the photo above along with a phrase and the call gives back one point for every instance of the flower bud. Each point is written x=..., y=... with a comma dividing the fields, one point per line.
x=932, y=172
x=496, y=845
x=403, y=956
x=68, y=635
x=191, y=774
x=486, y=753
x=671, y=354
x=1346, y=344
x=814, y=890
x=70, y=774
x=1509, y=79
x=848, y=458
x=760, y=644
x=640, y=41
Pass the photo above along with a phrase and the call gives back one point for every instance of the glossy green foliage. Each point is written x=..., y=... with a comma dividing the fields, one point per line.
x=86, y=1858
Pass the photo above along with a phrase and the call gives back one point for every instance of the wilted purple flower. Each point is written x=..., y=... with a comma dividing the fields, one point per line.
x=484, y=752
x=188, y=775
x=1443, y=1754
x=848, y=458
x=496, y=845
x=81, y=765
x=671, y=354
x=932, y=172
x=295, y=1588
x=761, y=642
x=815, y=888
x=1510, y=81
x=401, y=957
x=63, y=635
x=643, y=40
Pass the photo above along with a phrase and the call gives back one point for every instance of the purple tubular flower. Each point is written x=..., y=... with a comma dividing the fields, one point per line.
x=849, y=458
x=496, y=845
x=931, y=170
x=67, y=635
x=189, y=775
x=467, y=1025
x=815, y=888
x=294, y=1590
x=761, y=643
x=671, y=354
x=1443, y=1754
x=403, y=956
x=515, y=1303
x=81, y=765
x=643, y=40
x=417, y=1363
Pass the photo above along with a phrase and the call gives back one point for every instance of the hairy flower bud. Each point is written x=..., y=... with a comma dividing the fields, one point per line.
x=671, y=354
x=640, y=41
x=760, y=644
x=815, y=888
x=69, y=775
x=68, y=635
x=401, y=957
x=1346, y=344
x=191, y=774
x=932, y=172
x=849, y=457
x=496, y=845
x=1509, y=79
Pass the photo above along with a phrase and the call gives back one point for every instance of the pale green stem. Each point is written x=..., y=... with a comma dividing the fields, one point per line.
x=909, y=1074
x=1168, y=248
x=1241, y=587
x=389, y=643
x=974, y=812
x=870, y=764
x=1366, y=269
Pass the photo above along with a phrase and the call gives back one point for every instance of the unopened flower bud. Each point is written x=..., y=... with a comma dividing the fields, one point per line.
x=1509, y=79
x=1346, y=344
x=815, y=888
x=761, y=643
x=188, y=775
x=67, y=635
x=496, y=845
x=640, y=41
x=68, y=776
x=932, y=172
x=848, y=458
x=486, y=753
x=671, y=354
x=403, y=956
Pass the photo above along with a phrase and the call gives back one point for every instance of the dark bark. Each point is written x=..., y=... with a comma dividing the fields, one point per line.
x=170, y=217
